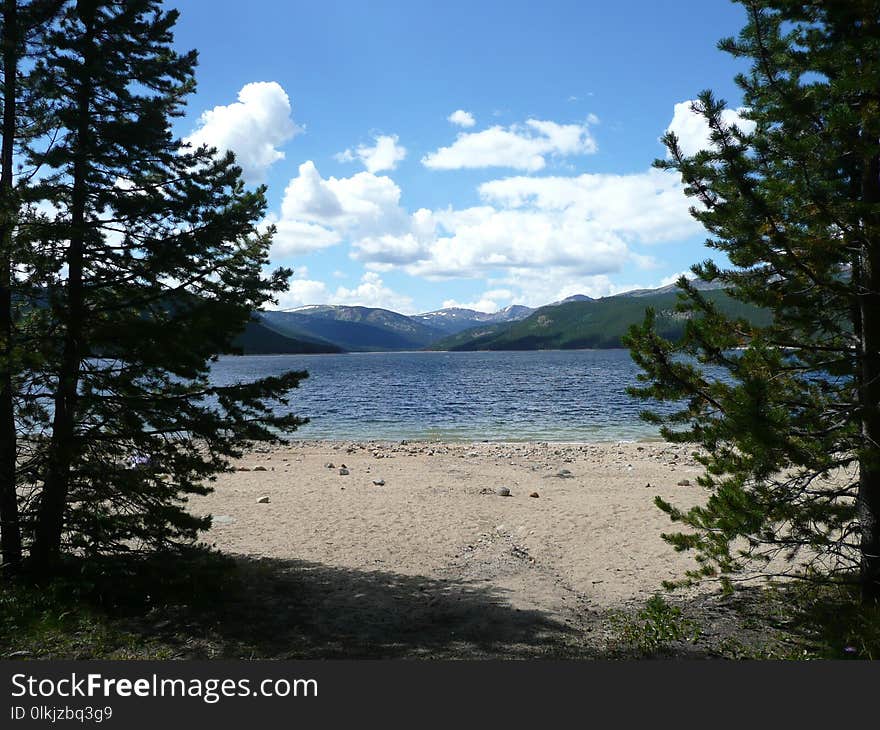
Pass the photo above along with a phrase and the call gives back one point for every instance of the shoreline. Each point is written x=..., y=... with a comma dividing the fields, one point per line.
x=319, y=440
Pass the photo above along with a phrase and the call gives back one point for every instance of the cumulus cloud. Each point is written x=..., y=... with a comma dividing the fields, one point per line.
x=673, y=278
x=648, y=207
x=585, y=226
x=383, y=155
x=302, y=292
x=692, y=129
x=531, y=239
x=579, y=228
x=361, y=204
x=317, y=212
x=519, y=146
x=490, y=302
x=462, y=118
x=474, y=242
x=294, y=237
x=539, y=287
x=370, y=292
x=254, y=127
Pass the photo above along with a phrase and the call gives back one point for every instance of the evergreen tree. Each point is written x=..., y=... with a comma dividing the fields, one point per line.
x=23, y=118
x=152, y=264
x=788, y=415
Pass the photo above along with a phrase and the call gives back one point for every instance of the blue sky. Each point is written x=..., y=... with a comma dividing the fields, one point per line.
x=425, y=154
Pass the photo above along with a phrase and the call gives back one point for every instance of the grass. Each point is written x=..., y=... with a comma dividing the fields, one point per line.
x=656, y=628
x=109, y=608
x=53, y=622
x=795, y=621
x=828, y=622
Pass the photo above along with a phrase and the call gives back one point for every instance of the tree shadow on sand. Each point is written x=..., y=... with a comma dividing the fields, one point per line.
x=201, y=604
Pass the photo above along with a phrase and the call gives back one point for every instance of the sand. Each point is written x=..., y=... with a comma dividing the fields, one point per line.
x=589, y=541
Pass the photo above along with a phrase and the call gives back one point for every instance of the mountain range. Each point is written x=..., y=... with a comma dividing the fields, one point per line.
x=575, y=322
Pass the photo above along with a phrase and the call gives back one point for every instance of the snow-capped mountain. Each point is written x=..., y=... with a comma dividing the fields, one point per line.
x=456, y=319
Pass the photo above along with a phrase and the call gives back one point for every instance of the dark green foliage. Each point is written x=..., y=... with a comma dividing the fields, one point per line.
x=26, y=117
x=599, y=323
x=789, y=429
x=258, y=339
x=148, y=263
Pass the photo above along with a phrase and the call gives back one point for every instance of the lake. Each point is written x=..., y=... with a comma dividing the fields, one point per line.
x=549, y=395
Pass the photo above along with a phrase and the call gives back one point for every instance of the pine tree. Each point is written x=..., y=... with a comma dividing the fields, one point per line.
x=151, y=263
x=788, y=415
x=21, y=27
x=10, y=529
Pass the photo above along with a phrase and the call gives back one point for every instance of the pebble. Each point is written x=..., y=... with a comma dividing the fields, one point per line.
x=343, y=471
x=260, y=468
x=684, y=483
x=263, y=500
x=534, y=494
x=379, y=482
x=503, y=492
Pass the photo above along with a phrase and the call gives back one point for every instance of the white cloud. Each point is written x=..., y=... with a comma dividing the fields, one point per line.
x=476, y=241
x=673, y=278
x=647, y=207
x=538, y=238
x=693, y=131
x=543, y=287
x=391, y=249
x=546, y=238
x=298, y=236
x=584, y=224
x=317, y=213
x=490, y=302
x=539, y=287
x=462, y=118
x=302, y=292
x=252, y=127
x=522, y=147
x=370, y=292
x=383, y=155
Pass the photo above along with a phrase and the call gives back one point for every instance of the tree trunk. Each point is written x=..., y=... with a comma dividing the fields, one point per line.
x=63, y=448
x=10, y=528
x=869, y=462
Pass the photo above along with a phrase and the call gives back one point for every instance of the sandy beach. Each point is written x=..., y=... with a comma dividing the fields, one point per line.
x=577, y=536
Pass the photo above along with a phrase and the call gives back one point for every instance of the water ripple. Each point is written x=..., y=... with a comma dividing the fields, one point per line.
x=577, y=395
